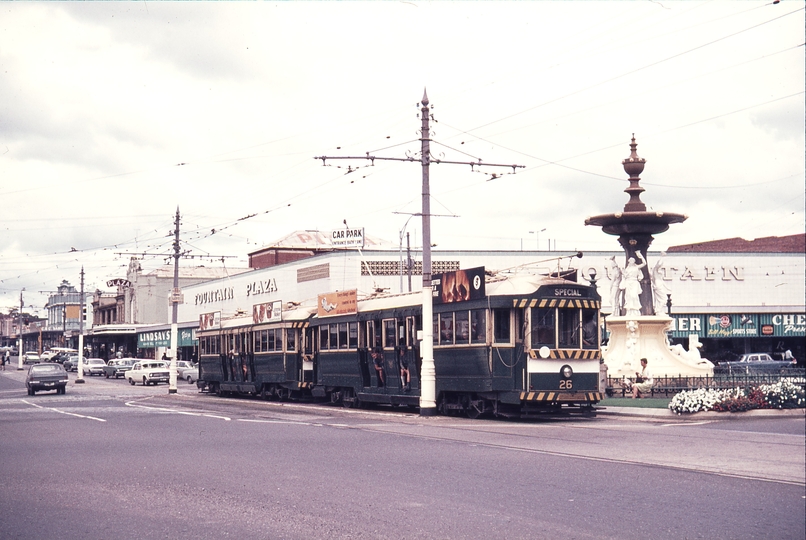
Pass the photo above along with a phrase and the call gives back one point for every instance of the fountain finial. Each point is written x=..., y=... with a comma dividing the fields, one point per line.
x=634, y=166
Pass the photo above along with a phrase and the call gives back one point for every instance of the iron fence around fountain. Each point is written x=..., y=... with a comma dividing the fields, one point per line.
x=670, y=385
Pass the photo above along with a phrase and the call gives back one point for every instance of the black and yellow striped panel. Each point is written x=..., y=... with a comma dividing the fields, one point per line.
x=304, y=385
x=300, y=324
x=551, y=397
x=556, y=302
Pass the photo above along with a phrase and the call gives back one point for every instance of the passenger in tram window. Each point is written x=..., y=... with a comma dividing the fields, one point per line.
x=405, y=375
x=377, y=361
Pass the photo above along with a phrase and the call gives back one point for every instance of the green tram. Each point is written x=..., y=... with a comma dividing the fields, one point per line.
x=515, y=346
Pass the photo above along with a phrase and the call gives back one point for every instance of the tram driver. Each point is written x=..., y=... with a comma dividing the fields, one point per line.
x=377, y=361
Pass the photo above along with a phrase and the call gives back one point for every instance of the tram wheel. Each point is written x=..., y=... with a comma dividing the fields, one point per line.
x=349, y=399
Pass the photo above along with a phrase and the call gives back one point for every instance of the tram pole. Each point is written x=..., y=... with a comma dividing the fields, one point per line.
x=428, y=405
x=175, y=299
x=80, y=375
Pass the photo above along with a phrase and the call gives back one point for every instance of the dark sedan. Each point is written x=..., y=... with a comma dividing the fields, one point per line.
x=46, y=377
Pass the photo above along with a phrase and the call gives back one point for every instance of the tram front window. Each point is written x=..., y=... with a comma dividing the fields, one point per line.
x=543, y=328
x=568, y=325
x=590, y=329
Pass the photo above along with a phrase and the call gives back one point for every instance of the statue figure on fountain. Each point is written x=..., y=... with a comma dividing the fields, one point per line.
x=615, y=287
x=660, y=291
x=631, y=284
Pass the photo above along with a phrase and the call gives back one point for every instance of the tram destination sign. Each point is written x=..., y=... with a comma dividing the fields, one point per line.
x=459, y=286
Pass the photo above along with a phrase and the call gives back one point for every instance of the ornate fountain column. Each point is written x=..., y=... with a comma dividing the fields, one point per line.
x=636, y=334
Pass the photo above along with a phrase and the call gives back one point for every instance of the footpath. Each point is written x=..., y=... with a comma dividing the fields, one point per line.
x=659, y=408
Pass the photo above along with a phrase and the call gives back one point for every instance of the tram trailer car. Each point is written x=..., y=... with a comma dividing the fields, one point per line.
x=527, y=345
x=261, y=359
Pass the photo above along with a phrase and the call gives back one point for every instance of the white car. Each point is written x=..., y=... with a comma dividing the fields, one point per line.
x=92, y=366
x=191, y=375
x=30, y=358
x=181, y=366
x=147, y=372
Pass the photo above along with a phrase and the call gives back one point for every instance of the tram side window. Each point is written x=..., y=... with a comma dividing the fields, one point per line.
x=501, y=325
x=478, y=326
x=334, y=336
x=590, y=329
x=291, y=340
x=390, y=333
x=324, y=338
x=352, y=335
x=377, y=337
x=343, y=335
x=446, y=329
x=568, y=325
x=543, y=328
x=462, y=321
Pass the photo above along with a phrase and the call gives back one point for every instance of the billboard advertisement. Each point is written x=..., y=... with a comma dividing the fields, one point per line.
x=267, y=312
x=336, y=303
x=210, y=321
x=459, y=286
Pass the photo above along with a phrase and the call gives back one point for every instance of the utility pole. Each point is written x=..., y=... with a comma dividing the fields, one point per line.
x=176, y=298
x=19, y=337
x=428, y=406
x=80, y=376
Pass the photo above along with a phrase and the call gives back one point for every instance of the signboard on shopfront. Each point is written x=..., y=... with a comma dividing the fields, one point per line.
x=732, y=325
x=162, y=338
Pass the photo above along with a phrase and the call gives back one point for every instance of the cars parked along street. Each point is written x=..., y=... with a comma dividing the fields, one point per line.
x=191, y=375
x=71, y=363
x=117, y=367
x=93, y=366
x=30, y=358
x=46, y=377
x=754, y=363
x=147, y=372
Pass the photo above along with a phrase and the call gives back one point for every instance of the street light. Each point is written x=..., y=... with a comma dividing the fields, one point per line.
x=402, y=232
x=537, y=236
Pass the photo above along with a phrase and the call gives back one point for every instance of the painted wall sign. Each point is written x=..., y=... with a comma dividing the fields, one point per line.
x=216, y=295
x=268, y=312
x=264, y=286
x=336, y=303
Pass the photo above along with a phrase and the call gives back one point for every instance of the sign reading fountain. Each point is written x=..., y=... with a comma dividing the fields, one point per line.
x=638, y=294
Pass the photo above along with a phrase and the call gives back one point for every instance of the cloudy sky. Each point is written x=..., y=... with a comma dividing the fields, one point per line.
x=113, y=114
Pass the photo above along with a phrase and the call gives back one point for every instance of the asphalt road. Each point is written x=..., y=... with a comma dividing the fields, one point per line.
x=108, y=460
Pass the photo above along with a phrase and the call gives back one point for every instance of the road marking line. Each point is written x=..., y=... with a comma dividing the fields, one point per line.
x=173, y=411
x=689, y=423
x=275, y=422
x=63, y=412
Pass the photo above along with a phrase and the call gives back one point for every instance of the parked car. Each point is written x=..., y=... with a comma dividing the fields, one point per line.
x=30, y=358
x=181, y=366
x=46, y=377
x=93, y=366
x=47, y=356
x=753, y=363
x=191, y=375
x=71, y=363
x=117, y=367
x=147, y=372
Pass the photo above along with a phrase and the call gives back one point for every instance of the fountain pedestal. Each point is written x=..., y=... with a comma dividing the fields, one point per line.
x=633, y=338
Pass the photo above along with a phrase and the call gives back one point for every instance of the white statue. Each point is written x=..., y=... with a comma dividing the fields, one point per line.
x=660, y=290
x=615, y=284
x=631, y=284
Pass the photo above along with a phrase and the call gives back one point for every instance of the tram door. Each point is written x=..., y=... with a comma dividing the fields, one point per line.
x=308, y=354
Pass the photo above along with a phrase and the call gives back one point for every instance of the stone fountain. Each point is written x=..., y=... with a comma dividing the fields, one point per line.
x=638, y=326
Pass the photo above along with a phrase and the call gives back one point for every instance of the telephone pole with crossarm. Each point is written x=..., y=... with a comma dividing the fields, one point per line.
x=428, y=405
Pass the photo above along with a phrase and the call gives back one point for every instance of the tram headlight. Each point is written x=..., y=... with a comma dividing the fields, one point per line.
x=567, y=372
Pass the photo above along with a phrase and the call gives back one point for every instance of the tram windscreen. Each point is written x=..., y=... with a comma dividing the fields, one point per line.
x=543, y=328
x=590, y=329
x=568, y=326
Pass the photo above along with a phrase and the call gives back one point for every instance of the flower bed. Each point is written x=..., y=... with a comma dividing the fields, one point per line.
x=782, y=395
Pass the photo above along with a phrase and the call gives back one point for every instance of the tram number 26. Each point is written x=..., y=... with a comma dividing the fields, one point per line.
x=566, y=384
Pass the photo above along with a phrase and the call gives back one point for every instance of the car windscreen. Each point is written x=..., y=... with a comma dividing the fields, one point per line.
x=46, y=368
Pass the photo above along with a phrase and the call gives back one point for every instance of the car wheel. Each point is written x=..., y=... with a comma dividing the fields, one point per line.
x=131, y=381
x=30, y=392
x=107, y=375
x=145, y=382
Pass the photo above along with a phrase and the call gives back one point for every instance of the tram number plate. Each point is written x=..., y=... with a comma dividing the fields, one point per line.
x=566, y=384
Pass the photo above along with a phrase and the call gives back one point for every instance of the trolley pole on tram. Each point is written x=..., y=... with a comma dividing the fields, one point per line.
x=428, y=405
